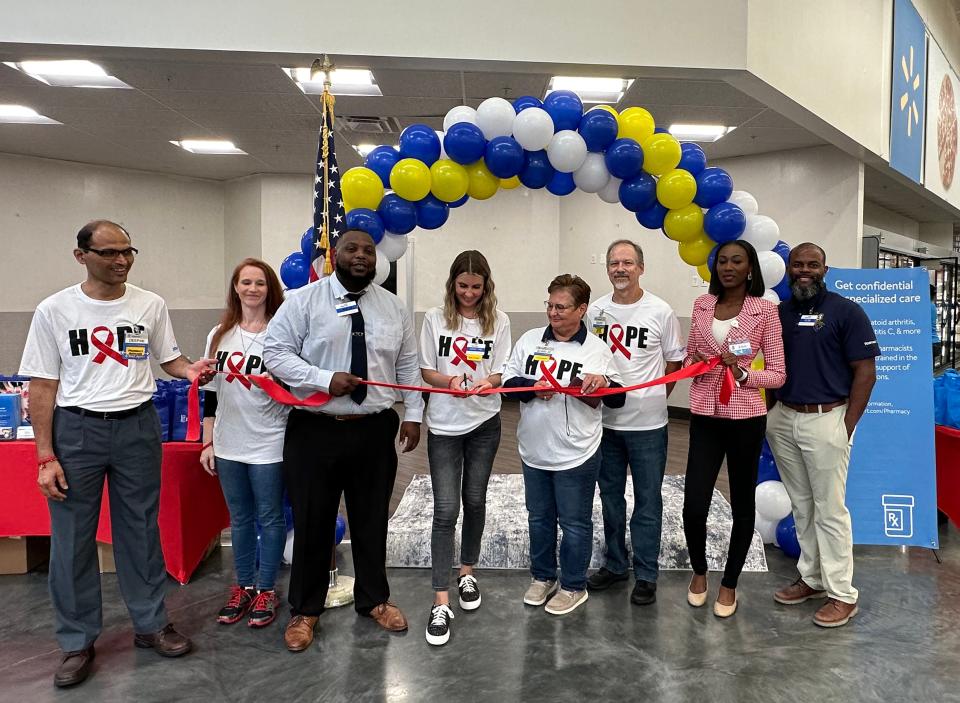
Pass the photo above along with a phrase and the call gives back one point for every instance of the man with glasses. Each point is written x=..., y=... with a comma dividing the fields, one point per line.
x=87, y=355
x=643, y=333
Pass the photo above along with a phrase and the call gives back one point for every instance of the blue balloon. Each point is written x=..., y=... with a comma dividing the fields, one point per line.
x=624, y=157
x=306, y=243
x=598, y=129
x=561, y=183
x=565, y=107
x=432, y=212
x=367, y=221
x=420, y=141
x=381, y=161
x=458, y=203
x=767, y=468
x=652, y=217
x=783, y=288
x=399, y=216
x=783, y=249
x=504, y=157
x=711, y=257
x=464, y=143
x=724, y=222
x=525, y=101
x=537, y=170
x=692, y=158
x=787, y=537
x=639, y=193
x=341, y=529
x=661, y=130
x=714, y=186
x=295, y=270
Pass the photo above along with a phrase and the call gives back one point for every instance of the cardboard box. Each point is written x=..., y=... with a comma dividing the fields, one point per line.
x=18, y=555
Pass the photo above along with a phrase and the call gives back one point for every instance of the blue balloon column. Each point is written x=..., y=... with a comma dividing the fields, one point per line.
x=774, y=519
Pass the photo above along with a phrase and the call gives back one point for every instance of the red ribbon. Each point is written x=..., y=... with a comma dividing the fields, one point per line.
x=105, y=347
x=615, y=341
x=546, y=373
x=236, y=372
x=460, y=355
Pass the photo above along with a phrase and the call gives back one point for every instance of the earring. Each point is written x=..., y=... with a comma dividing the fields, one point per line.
x=749, y=276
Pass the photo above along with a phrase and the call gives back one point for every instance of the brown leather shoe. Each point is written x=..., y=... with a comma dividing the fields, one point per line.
x=74, y=668
x=797, y=592
x=389, y=617
x=168, y=642
x=835, y=613
x=299, y=634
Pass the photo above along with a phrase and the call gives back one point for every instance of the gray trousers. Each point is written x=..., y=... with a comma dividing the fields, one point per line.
x=128, y=452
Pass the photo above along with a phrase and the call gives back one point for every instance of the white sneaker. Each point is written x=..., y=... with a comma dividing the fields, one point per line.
x=438, y=628
x=566, y=601
x=469, y=592
x=539, y=592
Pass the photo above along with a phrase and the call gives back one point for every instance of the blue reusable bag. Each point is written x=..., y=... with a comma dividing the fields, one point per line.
x=951, y=383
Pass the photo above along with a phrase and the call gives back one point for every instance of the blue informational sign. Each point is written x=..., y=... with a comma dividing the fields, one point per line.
x=892, y=483
x=908, y=91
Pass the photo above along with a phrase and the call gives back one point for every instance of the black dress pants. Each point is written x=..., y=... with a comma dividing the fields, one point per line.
x=324, y=458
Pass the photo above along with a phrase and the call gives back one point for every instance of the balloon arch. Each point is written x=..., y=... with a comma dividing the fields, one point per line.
x=623, y=157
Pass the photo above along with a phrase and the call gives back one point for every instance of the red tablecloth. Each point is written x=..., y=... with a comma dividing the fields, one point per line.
x=948, y=472
x=192, y=510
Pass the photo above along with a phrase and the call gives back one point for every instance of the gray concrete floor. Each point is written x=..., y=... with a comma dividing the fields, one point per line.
x=903, y=646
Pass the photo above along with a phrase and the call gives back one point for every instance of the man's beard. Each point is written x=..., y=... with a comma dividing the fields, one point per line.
x=807, y=292
x=346, y=277
x=621, y=283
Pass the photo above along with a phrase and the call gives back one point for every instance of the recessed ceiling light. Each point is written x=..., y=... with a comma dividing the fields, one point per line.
x=592, y=90
x=699, y=132
x=68, y=74
x=208, y=146
x=364, y=149
x=343, y=81
x=20, y=114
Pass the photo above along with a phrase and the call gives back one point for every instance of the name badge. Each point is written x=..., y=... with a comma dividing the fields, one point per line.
x=600, y=325
x=135, y=346
x=475, y=351
x=543, y=353
x=809, y=320
x=741, y=348
x=350, y=307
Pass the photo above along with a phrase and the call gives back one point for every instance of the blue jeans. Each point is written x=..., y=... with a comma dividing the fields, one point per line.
x=565, y=497
x=254, y=493
x=646, y=453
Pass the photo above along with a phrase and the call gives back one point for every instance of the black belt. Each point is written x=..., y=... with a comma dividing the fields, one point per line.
x=105, y=415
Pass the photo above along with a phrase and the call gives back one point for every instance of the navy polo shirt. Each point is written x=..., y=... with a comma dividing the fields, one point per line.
x=821, y=337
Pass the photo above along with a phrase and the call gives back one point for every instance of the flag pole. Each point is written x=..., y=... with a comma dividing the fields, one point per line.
x=327, y=102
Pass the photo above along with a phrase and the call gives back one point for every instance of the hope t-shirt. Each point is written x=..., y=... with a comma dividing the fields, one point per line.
x=563, y=432
x=642, y=337
x=249, y=426
x=81, y=342
x=455, y=352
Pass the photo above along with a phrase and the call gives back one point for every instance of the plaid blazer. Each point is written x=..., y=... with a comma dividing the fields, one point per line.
x=758, y=323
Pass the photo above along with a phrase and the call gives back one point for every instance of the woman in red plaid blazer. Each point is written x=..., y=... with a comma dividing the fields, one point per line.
x=735, y=323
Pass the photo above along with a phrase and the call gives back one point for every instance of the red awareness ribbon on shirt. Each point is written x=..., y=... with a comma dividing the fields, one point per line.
x=105, y=347
x=459, y=351
x=616, y=340
x=546, y=373
x=236, y=373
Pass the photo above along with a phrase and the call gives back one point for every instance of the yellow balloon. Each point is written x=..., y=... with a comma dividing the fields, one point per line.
x=696, y=251
x=661, y=153
x=449, y=180
x=483, y=184
x=410, y=179
x=684, y=223
x=635, y=123
x=348, y=206
x=676, y=188
x=362, y=187
x=609, y=109
x=704, y=272
x=510, y=183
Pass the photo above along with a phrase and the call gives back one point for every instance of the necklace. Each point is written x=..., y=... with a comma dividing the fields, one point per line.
x=252, y=336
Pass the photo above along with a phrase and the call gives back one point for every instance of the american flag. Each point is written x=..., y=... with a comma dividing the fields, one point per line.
x=329, y=215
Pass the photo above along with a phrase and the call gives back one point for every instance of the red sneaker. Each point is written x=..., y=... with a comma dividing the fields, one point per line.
x=237, y=605
x=264, y=609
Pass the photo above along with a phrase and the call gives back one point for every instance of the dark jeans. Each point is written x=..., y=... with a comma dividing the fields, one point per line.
x=565, y=497
x=459, y=467
x=646, y=453
x=712, y=438
x=254, y=493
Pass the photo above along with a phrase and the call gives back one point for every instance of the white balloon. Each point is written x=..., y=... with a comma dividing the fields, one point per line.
x=766, y=528
x=495, y=118
x=593, y=175
x=392, y=246
x=533, y=129
x=771, y=295
x=744, y=201
x=567, y=151
x=773, y=503
x=610, y=193
x=762, y=232
x=288, y=549
x=383, y=268
x=440, y=136
x=461, y=113
x=771, y=267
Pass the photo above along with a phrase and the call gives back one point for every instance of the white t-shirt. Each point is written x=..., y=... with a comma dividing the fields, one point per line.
x=642, y=337
x=80, y=342
x=563, y=432
x=249, y=425
x=453, y=353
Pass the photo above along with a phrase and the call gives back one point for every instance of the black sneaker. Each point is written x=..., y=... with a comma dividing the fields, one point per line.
x=237, y=605
x=644, y=592
x=469, y=592
x=438, y=628
x=603, y=579
x=264, y=609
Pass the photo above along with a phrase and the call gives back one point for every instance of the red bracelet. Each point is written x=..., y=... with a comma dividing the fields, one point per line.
x=208, y=444
x=44, y=460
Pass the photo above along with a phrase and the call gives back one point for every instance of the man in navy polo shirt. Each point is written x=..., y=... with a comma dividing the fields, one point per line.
x=830, y=348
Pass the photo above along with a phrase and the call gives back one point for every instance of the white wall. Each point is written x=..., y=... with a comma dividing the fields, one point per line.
x=878, y=216
x=241, y=222
x=286, y=213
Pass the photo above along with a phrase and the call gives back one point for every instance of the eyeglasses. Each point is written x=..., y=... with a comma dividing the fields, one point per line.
x=127, y=253
x=626, y=263
x=559, y=307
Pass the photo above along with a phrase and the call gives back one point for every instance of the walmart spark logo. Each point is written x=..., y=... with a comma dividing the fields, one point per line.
x=908, y=103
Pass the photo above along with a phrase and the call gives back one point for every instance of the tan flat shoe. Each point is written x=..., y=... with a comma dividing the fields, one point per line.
x=725, y=611
x=697, y=600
